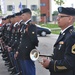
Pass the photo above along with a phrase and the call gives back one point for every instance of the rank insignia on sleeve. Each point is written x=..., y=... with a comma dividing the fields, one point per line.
x=61, y=67
x=73, y=49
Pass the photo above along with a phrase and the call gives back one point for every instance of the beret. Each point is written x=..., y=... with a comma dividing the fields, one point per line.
x=67, y=10
x=26, y=10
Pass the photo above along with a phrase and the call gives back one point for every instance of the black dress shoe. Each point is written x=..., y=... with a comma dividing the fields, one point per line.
x=7, y=63
x=5, y=58
x=19, y=73
x=3, y=55
x=11, y=69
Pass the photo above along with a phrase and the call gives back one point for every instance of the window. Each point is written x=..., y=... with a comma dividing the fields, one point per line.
x=43, y=15
x=24, y=6
x=33, y=7
x=34, y=18
x=9, y=7
x=42, y=4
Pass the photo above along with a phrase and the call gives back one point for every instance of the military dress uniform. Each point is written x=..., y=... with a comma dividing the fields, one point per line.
x=63, y=62
x=28, y=41
x=5, y=37
x=14, y=47
x=4, y=30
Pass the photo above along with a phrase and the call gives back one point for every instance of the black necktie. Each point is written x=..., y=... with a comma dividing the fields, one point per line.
x=59, y=36
x=23, y=27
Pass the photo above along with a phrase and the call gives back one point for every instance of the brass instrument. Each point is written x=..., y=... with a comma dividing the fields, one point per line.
x=35, y=54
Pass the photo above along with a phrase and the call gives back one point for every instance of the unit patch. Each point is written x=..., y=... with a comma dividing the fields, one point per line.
x=73, y=49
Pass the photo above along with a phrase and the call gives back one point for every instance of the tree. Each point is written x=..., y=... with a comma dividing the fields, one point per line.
x=59, y=2
x=37, y=13
x=55, y=13
x=0, y=13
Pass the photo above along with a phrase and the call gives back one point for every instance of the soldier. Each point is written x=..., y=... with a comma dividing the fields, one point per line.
x=63, y=62
x=16, y=40
x=3, y=29
x=28, y=41
x=10, y=43
x=8, y=23
x=6, y=38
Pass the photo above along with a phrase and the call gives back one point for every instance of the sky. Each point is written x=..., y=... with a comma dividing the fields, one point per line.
x=68, y=3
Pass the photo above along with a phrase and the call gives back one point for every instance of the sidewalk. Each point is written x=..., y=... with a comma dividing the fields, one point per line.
x=3, y=68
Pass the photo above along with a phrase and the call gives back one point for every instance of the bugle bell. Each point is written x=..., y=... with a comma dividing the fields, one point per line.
x=35, y=54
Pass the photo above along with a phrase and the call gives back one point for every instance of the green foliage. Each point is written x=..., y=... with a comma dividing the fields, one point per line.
x=59, y=2
x=37, y=12
x=55, y=13
x=50, y=25
x=0, y=13
x=55, y=31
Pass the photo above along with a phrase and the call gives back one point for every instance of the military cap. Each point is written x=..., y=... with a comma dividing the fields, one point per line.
x=12, y=16
x=3, y=18
x=26, y=10
x=67, y=10
x=18, y=14
x=9, y=16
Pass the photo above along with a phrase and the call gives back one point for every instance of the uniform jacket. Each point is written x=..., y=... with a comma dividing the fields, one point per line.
x=28, y=42
x=16, y=35
x=63, y=62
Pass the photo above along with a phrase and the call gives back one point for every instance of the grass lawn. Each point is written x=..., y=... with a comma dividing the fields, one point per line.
x=52, y=27
x=55, y=31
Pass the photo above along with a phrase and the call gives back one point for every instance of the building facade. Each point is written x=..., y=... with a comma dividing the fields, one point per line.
x=41, y=9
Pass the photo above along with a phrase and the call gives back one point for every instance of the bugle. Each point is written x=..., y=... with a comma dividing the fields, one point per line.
x=35, y=54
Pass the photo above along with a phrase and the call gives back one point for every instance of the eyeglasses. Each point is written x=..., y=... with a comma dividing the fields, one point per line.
x=61, y=16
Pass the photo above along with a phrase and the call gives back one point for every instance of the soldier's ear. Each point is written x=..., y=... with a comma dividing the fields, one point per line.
x=70, y=18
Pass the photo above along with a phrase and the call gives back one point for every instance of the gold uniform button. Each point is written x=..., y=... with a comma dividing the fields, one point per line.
x=32, y=32
x=21, y=35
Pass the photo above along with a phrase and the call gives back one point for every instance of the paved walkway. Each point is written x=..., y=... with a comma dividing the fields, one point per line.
x=44, y=47
x=3, y=68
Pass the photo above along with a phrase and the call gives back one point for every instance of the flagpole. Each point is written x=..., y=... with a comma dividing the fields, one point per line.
x=26, y=3
x=13, y=8
x=20, y=6
x=3, y=7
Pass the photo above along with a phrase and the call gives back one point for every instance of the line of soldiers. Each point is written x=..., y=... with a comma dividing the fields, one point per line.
x=18, y=38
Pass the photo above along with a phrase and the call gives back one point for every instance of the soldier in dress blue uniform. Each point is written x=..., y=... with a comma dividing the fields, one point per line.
x=16, y=40
x=63, y=62
x=28, y=41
